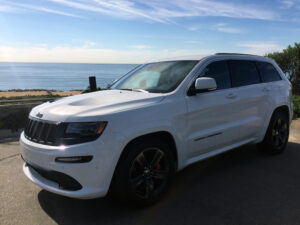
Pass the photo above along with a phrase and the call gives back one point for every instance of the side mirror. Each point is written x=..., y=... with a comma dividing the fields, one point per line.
x=204, y=84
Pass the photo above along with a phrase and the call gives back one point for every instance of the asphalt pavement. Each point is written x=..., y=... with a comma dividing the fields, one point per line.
x=239, y=187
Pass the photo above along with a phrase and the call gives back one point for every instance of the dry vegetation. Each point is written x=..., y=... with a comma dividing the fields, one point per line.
x=17, y=94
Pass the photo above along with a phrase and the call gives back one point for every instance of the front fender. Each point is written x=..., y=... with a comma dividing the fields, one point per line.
x=154, y=127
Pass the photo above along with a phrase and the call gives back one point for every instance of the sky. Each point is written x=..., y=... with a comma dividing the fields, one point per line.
x=136, y=31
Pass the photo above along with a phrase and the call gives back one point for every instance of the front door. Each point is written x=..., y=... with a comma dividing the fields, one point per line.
x=212, y=115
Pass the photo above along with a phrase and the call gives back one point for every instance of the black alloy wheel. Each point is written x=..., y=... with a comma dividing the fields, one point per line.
x=149, y=173
x=277, y=135
x=144, y=172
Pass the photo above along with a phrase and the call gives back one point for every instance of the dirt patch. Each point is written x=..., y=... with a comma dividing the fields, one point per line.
x=295, y=131
x=66, y=93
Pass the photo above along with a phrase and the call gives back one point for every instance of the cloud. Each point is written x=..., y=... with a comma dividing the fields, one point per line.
x=41, y=53
x=288, y=4
x=5, y=8
x=43, y=9
x=118, y=8
x=89, y=44
x=140, y=46
x=195, y=27
x=260, y=48
x=168, y=10
x=220, y=27
x=225, y=28
x=191, y=42
x=16, y=7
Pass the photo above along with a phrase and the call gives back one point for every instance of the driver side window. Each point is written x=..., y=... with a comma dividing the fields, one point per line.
x=220, y=72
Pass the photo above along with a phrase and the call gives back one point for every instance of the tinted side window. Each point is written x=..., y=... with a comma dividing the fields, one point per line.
x=220, y=72
x=268, y=72
x=243, y=73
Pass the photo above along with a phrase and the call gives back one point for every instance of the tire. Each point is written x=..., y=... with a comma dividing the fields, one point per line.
x=144, y=172
x=277, y=135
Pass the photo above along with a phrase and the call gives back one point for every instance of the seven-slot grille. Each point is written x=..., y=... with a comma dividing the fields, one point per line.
x=43, y=132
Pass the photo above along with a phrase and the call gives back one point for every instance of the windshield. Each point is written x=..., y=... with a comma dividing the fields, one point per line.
x=160, y=77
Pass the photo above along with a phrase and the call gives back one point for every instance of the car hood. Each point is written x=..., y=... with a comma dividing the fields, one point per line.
x=83, y=107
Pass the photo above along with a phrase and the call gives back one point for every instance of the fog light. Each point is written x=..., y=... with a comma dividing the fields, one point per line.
x=74, y=159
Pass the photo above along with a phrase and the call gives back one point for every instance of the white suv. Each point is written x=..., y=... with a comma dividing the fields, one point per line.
x=153, y=121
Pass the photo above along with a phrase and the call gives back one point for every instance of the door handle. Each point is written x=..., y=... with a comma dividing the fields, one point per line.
x=266, y=89
x=231, y=95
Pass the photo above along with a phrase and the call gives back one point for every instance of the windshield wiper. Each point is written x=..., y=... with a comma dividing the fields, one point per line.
x=134, y=89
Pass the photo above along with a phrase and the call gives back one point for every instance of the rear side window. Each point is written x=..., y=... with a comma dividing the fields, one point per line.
x=243, y=73
x=220, y=72
x=268, y=72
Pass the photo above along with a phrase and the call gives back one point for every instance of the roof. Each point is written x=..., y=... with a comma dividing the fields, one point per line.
x=233, y=53
x=199, y=57
x=187, y=57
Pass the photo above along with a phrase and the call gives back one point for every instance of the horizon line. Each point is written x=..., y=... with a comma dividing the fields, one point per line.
x=72, y=62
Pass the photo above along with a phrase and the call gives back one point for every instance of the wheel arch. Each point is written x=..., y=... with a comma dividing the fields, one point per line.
x=165, y=135
x=162, y=135
x=266, y=144
x=284, y=108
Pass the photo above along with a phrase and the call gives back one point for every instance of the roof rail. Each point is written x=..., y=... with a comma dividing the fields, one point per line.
x=226, y=53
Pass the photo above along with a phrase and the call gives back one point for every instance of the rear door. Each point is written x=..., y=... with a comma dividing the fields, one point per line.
x=253, y=98
x=271, y=78
x=274, y=87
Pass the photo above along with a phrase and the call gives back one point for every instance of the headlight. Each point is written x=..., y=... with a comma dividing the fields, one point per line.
x=75, y=133
x=85, y=129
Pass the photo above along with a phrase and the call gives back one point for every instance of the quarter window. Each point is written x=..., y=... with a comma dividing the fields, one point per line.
x=268, y=72
x=243, y=73
x=220, y=72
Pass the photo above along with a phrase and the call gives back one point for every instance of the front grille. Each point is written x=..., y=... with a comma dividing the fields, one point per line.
x=64, y=181
x=51, y=133
x=43, y=132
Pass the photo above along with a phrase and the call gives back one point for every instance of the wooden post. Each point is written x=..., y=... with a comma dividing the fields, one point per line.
x=93, y=83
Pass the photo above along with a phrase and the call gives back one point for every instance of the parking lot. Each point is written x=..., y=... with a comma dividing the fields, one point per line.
x=242, y=186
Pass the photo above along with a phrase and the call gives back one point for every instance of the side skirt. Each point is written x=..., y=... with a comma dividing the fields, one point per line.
x=218, y=151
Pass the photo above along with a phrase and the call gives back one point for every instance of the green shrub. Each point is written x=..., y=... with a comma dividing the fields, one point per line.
x=296, y=100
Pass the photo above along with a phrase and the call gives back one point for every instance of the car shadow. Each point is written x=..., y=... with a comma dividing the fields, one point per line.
x=243, y=186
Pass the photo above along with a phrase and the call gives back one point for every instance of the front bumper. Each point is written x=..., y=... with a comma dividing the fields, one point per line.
x=94, y=177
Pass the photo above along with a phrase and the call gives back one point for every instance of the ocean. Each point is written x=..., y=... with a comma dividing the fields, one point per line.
x=58, y=76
